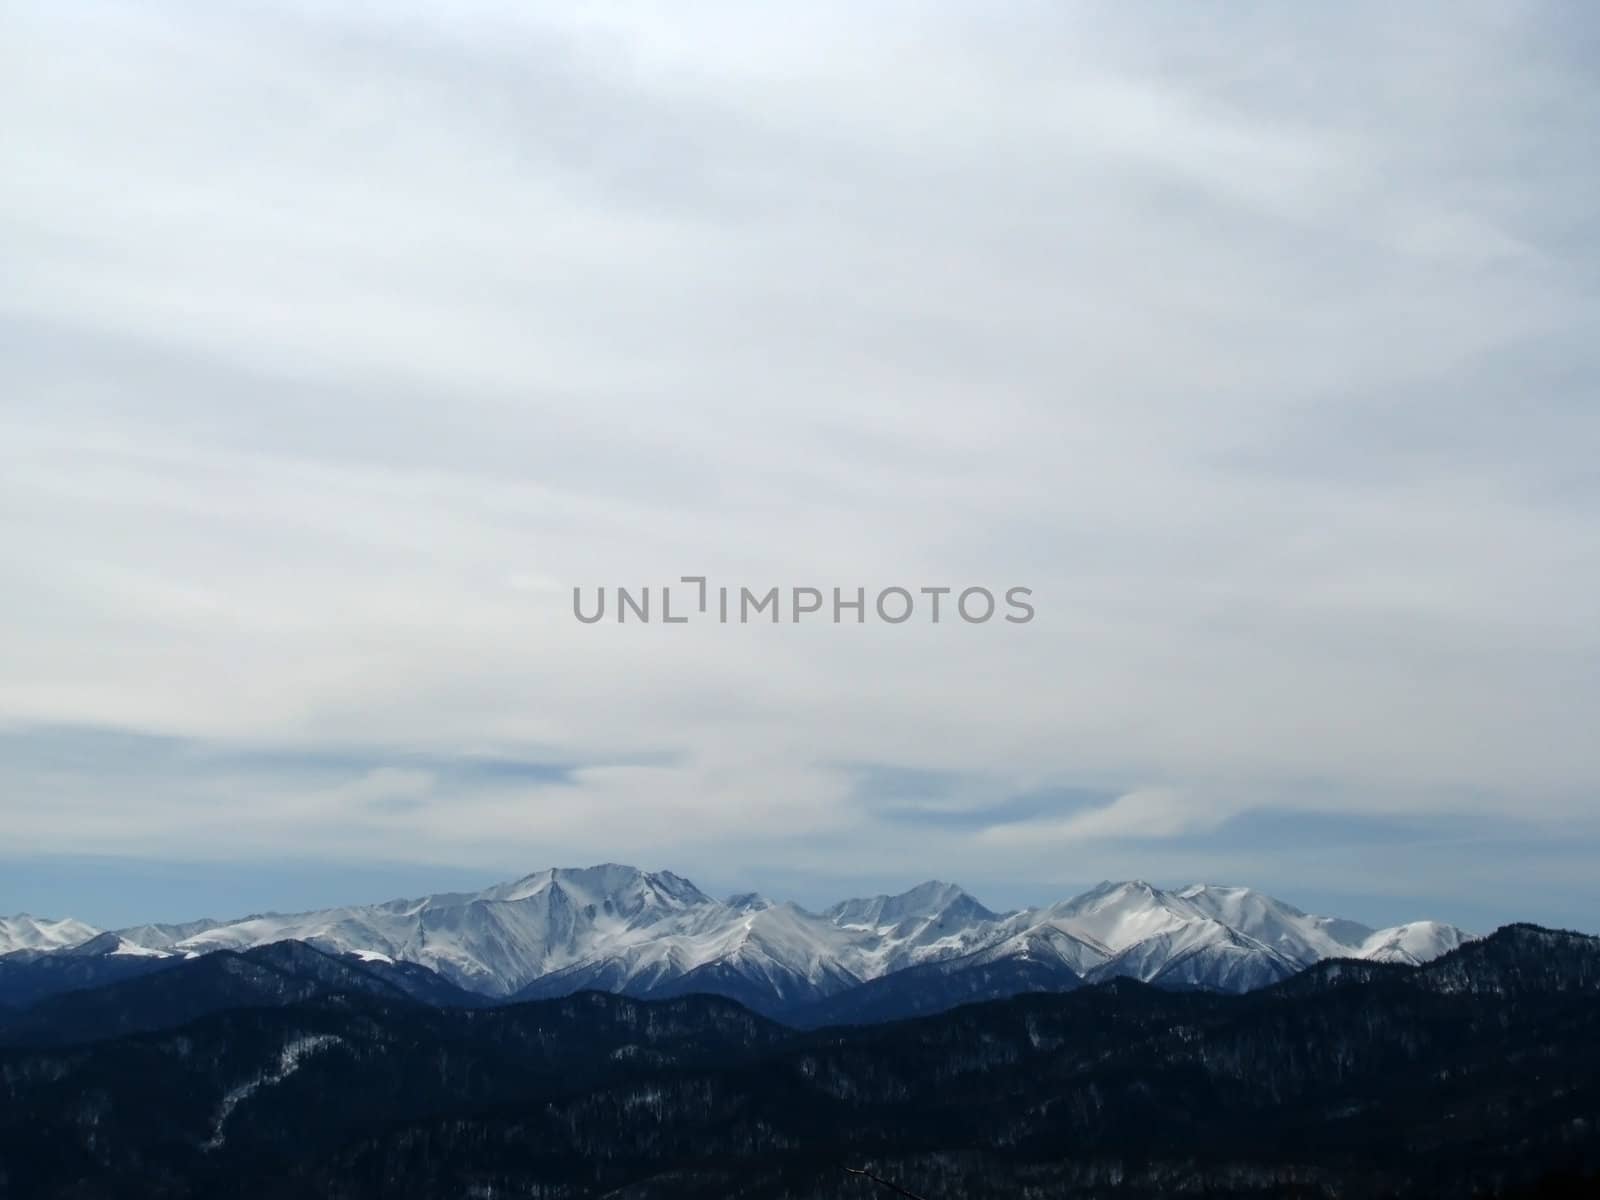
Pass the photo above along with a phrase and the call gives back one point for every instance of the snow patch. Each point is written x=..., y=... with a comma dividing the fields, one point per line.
x=290, y=1057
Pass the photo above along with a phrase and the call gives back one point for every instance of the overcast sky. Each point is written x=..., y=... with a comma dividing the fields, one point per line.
x=339, y=342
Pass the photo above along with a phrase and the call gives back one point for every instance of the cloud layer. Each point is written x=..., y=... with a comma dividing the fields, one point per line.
x=342, y=341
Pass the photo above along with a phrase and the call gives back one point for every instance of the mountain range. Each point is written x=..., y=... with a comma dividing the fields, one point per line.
x=655, y=934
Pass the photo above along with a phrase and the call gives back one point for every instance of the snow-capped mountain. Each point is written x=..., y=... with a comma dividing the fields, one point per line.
x=24, y=932
x=1225, y=938
x=496, y=940
x=617, y=928
x=1416, y=943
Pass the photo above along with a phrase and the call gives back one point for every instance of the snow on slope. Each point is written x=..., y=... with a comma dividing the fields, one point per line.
x=1199, y=954
x=654, y=933
x=1301, y=938
x=502, y=938
x=1118, y=915
x=1045, y=943
x=931, y=922
x=1416, y=943
x=109, y=945
x=24, y=932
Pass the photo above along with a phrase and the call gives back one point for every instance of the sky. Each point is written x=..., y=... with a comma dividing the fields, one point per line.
x=339, y=343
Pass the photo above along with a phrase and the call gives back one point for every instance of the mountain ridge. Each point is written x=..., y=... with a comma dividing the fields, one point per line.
x=655, y=933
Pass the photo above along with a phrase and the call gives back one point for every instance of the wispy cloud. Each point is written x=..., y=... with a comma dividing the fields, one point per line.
x=1146, y=813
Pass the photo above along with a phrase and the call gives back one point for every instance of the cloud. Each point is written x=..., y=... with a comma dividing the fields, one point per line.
x=1146, y=813
x=342, y=341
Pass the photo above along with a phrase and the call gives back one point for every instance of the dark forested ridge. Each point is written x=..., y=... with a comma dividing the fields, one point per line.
x=285, y=1072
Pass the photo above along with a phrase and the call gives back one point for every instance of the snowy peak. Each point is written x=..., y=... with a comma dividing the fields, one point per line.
x=1298, y=936
x=110, y=945
x=932, y=922
x=1415, y=943
x=928, y=900
x=1120, y=915
x=26, y=932
x=1206, y=935
x=611, y=887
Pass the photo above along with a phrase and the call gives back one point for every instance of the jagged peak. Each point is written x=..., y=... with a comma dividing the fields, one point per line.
x=599, y=882
x=925, y=900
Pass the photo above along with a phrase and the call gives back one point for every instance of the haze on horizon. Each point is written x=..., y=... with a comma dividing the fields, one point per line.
x=340, y=342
